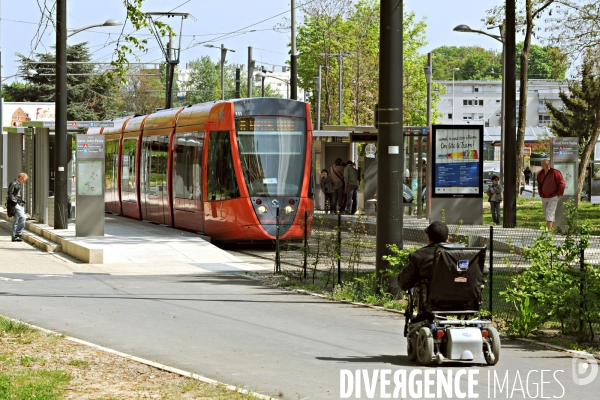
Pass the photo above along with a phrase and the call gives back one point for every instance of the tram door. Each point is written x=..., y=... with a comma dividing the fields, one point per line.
x=153, y=175
x=187, y=174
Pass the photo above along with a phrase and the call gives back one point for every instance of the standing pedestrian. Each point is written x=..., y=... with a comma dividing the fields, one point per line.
x=15, y=201
x=527, y=172
x=495, y=193
x=351, y=180
x=551, y=185
x=327, y=188
x=337, y=174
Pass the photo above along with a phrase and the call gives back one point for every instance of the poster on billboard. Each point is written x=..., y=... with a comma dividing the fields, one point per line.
x=458, y=162
x=15, y=113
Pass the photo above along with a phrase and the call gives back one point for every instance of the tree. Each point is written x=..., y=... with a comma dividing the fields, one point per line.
x=474, y=63
x=528, y=11
x=354, y=31
x=142, y=93
x=579, y=117
x=544, y=62
x=89, y=98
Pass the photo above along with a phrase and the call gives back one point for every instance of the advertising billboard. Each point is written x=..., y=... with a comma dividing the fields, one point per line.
x=458, y=161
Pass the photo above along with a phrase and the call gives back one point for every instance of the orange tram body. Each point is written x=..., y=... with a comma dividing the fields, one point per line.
x=221, y=168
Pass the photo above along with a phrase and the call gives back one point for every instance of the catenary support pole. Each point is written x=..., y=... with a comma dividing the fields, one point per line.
x=237, y=83
x=250, y=71
x=60, y=145
x=293, y=57
x=390, y=140
x=510, y=139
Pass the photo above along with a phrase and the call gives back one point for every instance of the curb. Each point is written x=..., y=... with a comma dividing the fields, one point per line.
x=559, y=348
x=148, y=362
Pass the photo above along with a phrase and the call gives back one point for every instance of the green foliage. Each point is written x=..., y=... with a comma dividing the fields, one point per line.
x=474, y=63
x=11, y=327
x=330, y=28
x=556, y=285
x=526, y=320
x=544, y=62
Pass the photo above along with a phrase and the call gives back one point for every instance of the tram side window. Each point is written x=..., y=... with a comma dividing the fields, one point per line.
x=221, y=175
x=128, y=165
x=184, y=166
x=198, y=166
x=110, y=166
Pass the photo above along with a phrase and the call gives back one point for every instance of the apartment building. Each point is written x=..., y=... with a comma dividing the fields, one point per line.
x=480, y=102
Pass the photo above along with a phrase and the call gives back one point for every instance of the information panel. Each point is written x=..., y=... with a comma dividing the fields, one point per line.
x=458, y=163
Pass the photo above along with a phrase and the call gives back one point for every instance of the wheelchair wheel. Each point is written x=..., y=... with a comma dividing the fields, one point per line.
x=425, y=346
x=492, y=356
x=411, y=347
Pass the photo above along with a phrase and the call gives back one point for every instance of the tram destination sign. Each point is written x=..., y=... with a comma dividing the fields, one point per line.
x=81, y=124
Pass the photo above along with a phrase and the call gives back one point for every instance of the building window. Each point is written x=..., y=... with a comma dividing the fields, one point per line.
x=450, y=116
x=544, y=120
x=450, y=102
x=474, y=102
x=468, y=116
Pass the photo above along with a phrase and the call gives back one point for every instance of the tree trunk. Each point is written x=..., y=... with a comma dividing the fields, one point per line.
x=586, y=154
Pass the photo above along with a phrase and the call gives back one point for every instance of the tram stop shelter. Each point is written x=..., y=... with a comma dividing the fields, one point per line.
x=359, y=144
x=30, y=149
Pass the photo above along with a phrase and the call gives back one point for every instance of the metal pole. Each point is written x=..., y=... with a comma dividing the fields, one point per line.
x=390, y=139
x=305, y=241
x=502, y=107
x=491, y=289
x=170, y=73
x=262, y=82
x=319, y=99
x=250, y=71
x=293, y=57
x=277, y=248
x=237, y=83
x=581, y=288
x=223, y=53
x=60, y=145
x=454, y=70
x=428, y=74
x=340, y=58
x=510, y=145
x=339, y=248
x=1, y=135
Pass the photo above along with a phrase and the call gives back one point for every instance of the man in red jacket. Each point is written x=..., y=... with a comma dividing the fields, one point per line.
x=551, y=185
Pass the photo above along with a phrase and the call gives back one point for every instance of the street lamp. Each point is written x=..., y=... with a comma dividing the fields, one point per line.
x=223, y=53
x=109, y=22
x=453, y=71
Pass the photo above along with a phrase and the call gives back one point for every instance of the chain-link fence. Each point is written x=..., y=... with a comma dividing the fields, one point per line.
x=340, y=248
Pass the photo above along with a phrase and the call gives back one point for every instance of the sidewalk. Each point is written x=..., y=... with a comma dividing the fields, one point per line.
x=131, y=247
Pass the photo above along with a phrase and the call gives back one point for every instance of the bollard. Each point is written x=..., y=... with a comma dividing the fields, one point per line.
x=581, y=288
x=491, y=280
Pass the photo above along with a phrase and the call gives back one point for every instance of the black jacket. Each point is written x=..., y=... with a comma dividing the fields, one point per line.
x=14, y=192
x=420, y=265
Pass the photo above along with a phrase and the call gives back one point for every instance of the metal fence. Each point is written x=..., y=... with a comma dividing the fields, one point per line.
x=339, y=248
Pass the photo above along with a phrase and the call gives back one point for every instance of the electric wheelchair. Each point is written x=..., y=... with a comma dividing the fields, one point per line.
x=447, y=326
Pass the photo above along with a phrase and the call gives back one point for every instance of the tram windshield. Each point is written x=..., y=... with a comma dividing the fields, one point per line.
x=272, y=153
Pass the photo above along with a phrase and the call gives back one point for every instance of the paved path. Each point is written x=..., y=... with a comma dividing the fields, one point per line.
x=235, y=330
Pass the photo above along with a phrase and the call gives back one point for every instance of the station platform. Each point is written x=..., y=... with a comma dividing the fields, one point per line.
x=131, y=247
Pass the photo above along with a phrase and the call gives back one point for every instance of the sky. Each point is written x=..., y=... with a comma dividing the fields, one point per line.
x=237, y=24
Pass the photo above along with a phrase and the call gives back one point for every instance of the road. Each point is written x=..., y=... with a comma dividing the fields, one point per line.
x=235, y=330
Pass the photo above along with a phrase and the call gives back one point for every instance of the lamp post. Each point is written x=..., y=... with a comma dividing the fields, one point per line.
x=61, y=158
x=109, y=22
x=453, y=71
x=509, y=193
x=223, y=54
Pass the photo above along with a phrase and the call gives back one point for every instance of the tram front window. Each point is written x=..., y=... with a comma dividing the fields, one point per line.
x=272, y=153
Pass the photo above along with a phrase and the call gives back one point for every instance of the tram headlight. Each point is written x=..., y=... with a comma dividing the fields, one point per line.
x=288, y=209
x=262, y=209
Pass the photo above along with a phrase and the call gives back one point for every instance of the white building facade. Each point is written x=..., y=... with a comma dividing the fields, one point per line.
x=480, y=102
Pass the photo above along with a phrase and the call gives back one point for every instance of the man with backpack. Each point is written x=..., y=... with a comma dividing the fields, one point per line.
x=15, y=204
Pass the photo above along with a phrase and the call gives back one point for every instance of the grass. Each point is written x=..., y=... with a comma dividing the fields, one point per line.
x=36, y=365
x=530, y=214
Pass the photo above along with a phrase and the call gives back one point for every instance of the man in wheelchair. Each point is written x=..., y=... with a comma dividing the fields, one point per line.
x=444, y=283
